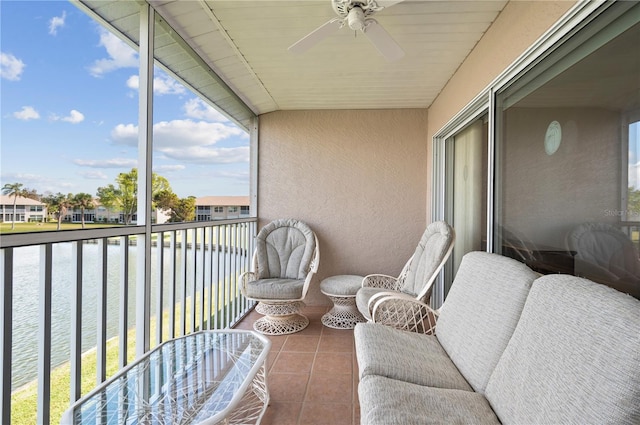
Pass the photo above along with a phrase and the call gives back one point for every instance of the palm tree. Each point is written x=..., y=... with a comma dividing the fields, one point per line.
x=15, y=190
x=84, y=201
x=58, y=205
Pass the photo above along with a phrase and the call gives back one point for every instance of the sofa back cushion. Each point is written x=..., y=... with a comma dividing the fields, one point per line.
x=573, y=358
x=481, y=311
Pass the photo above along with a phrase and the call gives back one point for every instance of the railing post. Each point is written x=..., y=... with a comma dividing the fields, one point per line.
x=124, y=301
x=6, y=325
x=145, y=178
x=44, y=335
x=76, y=324
x=101, y=320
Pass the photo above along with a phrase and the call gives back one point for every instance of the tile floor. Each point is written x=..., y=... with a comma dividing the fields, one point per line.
x=312, y=375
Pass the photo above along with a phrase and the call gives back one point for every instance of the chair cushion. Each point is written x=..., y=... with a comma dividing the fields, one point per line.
x=573, y=358
x=275, y=289
x=341, y=285
x=387, y=401
x=431, y=250
x=362, y=299
x=481, y=311
x=407, y=356
x=284, y=249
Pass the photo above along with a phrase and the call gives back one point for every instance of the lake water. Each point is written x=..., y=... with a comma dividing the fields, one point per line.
x=26, y=301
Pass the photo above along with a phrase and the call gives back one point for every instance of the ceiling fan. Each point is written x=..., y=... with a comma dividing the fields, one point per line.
x=356, y=14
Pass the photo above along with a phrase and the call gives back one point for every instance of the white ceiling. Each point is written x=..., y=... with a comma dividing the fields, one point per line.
x=245, y=42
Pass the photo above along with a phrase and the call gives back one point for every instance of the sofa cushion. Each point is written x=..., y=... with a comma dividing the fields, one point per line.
x=481, y=311
x=386, y=401
x=406, y=356
x=573, y=358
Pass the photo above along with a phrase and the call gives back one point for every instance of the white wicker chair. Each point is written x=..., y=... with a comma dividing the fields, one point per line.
x=286, y=258
x=400, y=302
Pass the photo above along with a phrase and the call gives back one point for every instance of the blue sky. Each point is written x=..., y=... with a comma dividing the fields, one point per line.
x=69, y=111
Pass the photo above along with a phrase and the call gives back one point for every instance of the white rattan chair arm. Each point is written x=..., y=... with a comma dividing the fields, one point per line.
x=377, y=297
x=404, y=312
x=382, y=281
x=245, y=278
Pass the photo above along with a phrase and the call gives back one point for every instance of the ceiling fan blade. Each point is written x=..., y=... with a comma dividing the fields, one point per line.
x=316, y=36
x=383, y=41
x=387, y=3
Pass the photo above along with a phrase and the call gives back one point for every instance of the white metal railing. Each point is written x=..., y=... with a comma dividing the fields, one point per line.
x=193, y=286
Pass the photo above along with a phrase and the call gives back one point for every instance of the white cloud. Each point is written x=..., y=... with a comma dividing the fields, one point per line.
x=10, y=67
x=168, y=168
x=107, y=163
x=205, y=155
x=199, y=109
x=161, y=85
x=27, y=113
x=94, y=175
x=188, y=140
x=56, y=22
x=74, y=117
x=120, y=55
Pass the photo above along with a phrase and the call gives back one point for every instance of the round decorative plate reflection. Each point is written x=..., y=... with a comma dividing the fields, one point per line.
x=552, y=138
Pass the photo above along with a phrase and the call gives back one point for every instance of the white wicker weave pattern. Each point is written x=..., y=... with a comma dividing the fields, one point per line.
x=381, y=281
x=406, y=313
x=344, y=314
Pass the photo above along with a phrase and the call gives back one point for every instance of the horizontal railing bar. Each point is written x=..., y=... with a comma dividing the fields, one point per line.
x=14, y=240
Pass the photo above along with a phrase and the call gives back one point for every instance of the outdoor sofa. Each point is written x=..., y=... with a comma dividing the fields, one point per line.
x=509, y=347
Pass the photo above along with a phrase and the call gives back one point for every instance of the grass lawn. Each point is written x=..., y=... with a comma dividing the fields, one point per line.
x=42, y=227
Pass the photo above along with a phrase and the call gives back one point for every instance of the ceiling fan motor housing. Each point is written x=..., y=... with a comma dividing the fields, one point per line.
x=355, y=19
x=343, y=7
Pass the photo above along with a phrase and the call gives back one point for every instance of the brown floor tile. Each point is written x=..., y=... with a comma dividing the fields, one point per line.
x=280, y=413
x=330, y=388
x=335, y=343
x=288, y=362
x=287, y=387
x=301, y=343
x=312, y=374
x=333, y=363
x=326, y=414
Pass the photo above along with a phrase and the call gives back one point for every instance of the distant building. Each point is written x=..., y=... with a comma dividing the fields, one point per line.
x=221, y=207
x=27, y=210
x=101, y=214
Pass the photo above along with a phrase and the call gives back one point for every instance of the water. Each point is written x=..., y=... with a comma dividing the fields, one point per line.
x=26, y=300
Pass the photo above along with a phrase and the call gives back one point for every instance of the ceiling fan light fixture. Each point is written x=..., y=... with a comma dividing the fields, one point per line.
x=355, y=19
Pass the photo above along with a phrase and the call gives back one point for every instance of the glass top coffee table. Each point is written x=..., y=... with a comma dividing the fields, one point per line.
x=207, y=377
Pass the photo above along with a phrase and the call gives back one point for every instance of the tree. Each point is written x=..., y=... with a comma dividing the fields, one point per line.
x=123, y=196
x=15, y=190
x=180, y=209
x=58, y=205
x=84, y=201
x=184, y=210
x=633, y=204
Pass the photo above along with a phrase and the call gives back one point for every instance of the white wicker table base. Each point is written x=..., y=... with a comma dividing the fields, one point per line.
x=344, y=314
x=280, y=319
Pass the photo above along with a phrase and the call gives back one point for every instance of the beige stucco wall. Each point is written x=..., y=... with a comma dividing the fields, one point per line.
x=517, y=27
x=359, y=181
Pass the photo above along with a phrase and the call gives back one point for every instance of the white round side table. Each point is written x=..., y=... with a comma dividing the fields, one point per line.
x=341, y=290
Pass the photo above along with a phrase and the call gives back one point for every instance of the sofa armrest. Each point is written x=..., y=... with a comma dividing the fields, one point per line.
x=382, y=281
x=401, y=311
